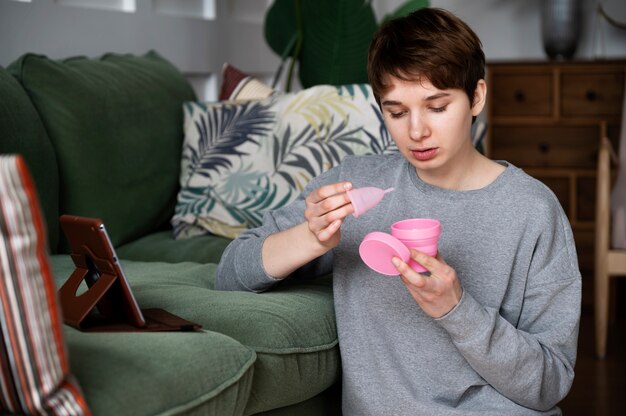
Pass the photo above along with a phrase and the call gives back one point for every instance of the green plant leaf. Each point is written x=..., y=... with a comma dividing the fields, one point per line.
x=336, y=37
x=280, y=26
x=406, y=8
x=328, y=39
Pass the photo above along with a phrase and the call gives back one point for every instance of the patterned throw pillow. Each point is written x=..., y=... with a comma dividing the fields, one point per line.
x=34, y=371
x=239, y=86
x=243, y=159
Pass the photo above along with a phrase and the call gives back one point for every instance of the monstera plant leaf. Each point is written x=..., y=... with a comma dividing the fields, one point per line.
x=407, y=8
x=329, y=39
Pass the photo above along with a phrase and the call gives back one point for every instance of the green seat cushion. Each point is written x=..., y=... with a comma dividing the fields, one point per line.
x=161, y=246
x=164, y=373
x=116, y=125
x=22, y=132
x=291, y=329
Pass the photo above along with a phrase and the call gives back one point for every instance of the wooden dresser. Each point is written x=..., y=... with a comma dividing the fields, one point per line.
x=547, y=118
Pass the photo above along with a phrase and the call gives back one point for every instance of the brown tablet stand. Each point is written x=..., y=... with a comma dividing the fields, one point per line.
x=81, y=313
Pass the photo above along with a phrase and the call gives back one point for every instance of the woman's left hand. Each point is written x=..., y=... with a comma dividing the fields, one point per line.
x=436, y=294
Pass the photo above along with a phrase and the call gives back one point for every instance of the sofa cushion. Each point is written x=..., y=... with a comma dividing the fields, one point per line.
x=116, y=125
x=239, y=86
x=22, y=132
x=242, y=159
x=200, y=372
x=291, y=329
x=163, y=373
x=161, y=246
x=35, y=376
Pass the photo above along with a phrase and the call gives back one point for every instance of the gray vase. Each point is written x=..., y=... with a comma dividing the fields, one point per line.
x=560, y=27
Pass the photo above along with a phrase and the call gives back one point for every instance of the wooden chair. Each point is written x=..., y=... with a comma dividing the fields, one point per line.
x=608, y=262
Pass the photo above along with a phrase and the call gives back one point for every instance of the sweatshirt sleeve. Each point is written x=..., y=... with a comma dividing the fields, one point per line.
x=241, y=265
x=531, y=361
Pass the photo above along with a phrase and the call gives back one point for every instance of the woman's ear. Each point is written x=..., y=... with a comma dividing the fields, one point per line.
x=480, y=97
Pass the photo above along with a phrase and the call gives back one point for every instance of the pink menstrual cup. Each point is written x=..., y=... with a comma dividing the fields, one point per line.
x=365, y=198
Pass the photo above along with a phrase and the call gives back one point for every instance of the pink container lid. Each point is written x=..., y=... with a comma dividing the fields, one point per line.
x=416, y=228
x=378, y=248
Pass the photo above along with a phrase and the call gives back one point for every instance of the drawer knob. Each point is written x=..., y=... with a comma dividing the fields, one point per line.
x=544, y=147
x=520, y=97
x=591, y=95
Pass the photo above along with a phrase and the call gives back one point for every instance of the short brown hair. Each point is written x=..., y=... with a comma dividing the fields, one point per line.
x=431, y=43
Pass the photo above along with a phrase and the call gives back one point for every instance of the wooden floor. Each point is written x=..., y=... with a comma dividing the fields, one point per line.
x=599, y=385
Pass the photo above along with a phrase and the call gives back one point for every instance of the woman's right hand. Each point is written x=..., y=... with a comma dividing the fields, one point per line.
x=326, y=208
x=286, y=251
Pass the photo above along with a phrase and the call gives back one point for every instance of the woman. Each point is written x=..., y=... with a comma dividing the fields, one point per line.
x=492, y=328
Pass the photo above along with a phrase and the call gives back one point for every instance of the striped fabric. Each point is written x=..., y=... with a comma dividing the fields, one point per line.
x=35, y=377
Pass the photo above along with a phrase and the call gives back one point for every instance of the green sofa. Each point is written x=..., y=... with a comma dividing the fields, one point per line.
x=102, y=138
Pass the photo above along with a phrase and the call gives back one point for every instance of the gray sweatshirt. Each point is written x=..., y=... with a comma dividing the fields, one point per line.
x=508, y=347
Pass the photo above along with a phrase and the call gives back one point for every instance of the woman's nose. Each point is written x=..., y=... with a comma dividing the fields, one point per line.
x=417, y=128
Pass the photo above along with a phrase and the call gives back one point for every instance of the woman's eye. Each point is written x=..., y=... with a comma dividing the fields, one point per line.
x=397, y=114
x=438, y=109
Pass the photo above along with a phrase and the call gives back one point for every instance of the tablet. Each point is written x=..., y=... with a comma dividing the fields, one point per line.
x=94, y=257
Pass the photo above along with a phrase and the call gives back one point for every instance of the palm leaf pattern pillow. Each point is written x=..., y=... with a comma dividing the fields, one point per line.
x=241, y=159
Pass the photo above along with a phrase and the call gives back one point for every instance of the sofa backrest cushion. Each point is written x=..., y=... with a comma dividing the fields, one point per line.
x=22, y=132
x=116, y=125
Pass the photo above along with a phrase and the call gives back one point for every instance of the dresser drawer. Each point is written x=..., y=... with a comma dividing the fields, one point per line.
x=520, y=94
x=593, y=95
x=586, y=199
x=546, y=146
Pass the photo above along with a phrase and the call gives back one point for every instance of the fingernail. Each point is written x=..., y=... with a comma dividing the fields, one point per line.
x=395, y=261
x=347, y=185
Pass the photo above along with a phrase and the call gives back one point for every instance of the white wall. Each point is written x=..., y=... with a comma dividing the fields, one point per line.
x=197, y=46
x=509, y=29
